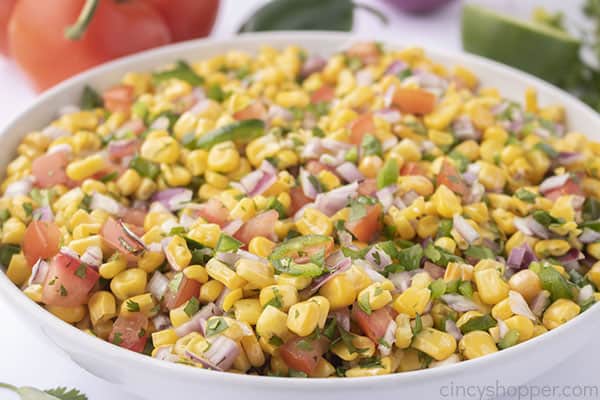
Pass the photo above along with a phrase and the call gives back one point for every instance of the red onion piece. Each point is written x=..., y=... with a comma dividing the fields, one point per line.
x=571, y=259
x=174, y=198
x=589, y=236
x=364, y=77
x=106, y=203
x=69, y=252
x=342, y=317
x=463, y=128
x=38, y=272
x=409, y=197
x=390, y=115
x=459, y=303
x=164, y=353
x=331, y=202
x=396, y=67
x=569, y=158
x=122, y=148
x=553, y=182
x=341, y=266
x=530, y=227
x=386, y=196
x=232, y=227
x=502, y=328
x=161, y=321
x=92, y=256
x=308, y=188
x=219, y=356
x=54, y=132
x=519, y=306
x=402, y=280
x=157, y=285
x=453, y=330
x=520, y=257
x=21, y=187
x=378, y=258
x=465, y=229
x=434, y=270
x=349, y=172
x=388, y=96
x=312, y=149
x=388, y=339
x=198, y=320
x=160, y=124
x=313, y=63
x=43, y=213
x=335, y=145
x=540, y=303
x=585, y=293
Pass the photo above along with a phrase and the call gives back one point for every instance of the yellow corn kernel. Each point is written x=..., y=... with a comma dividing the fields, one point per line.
x=178, y=251
x=505, y=220
x=403, y=226
x=329, y=179
x=531, y=103
x=13, y=231
x=206, y=234
x=421, y=280
x=261, y=246
x=182, y=343
x=143, y=303
x=412, y=301
x=369, y=166
x=197, y=273
x=34, y=292
x=280, y=296
x=359, y=371
x=230, y=297
x=594, y=274
x=477, y=344
x=292, y=99
x=247, y=310
x=81, y=169
x=222, y=273
x=303, y=318
x=478, y=212
x=446, y=243
x=521, y=324
x=490, y=286
x=253, y=350
x=81, y=245
x=178, y=316
x=315, y=222
x=129, y=182
x=223, y=158
x=150, y=261
x=340, y=291
x=210, y=291
x=196, y=162
x=375, y=296
x=83, y=231
x=538, y=330
x=244, y=209
x=129, y=283
x=551, y=247
x=444, y=113
x=102, y=306
x=146, y=188
x=323, y=369
x=113, y=266
x=404, y=332
x=502, y=310
x=164, y=337
x=164, y=149
x=256, y=273
x=446, y=202
x=18, y=270
x=427, y=226
x=176, y=175
x=560, y=312
x=299, y=282
x=437, y=344
x=68, y=314
x=272, y=322
x=492, y=177
x=466, y=317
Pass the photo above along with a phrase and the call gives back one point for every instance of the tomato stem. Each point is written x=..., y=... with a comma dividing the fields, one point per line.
x=76, y=31
x=373, y=11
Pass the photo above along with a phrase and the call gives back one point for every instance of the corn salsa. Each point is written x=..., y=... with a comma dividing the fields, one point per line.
x=287, y=214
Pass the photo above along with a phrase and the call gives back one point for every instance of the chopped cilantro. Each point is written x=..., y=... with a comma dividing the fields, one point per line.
x=132, y=306
x=192, y=307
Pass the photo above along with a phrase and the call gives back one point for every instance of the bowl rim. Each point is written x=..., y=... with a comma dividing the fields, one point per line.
x=86, y=342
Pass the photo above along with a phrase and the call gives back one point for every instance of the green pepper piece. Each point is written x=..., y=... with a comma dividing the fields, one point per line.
x=510, y=339
x=482, y=323
x=297, y=245
x=226, y=243
x=554, y=282
x=90, y=99
x=181, y=71
x=144, y=167
x=239, y=131
x=330, y=15
x=388, y=175
x=288, y=266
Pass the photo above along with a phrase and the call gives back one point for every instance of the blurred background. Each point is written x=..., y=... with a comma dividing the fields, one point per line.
x=40, y=56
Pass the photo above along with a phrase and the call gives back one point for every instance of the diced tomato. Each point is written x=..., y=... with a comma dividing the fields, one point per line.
x=186, y=289
x=118, y=150
x=214, y=212
x=130, y=331
x=112, y=171
x=368, y=187
x=414, y=101
x=41, y=240
x=570, y=187
x=360, y=127
x=135, y=216
x=451, y=178
x=323, y=94
x=69, y=282
x=366, y=228
x=261, y=225
x=367, y=52
x=375, y=324
x=116, y=237
x=412, y=168
x=314, y=167
x=299, y=199
x=255, y=110
x=303, y=354
x=49, y=169
x=118, y=98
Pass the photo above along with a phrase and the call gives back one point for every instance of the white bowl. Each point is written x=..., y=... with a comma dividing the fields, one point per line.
x=154, y=379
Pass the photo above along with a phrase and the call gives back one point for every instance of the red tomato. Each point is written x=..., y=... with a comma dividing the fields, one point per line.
x=130, y=331
x=261, y=225
x=299, y=199
x=304, y=356
x=571, y=187
x=214, y=212
x=314, y=167
x=360, y=127
x=414, y=101
x=69, y=282
x=47, y=56
x=110, y=170
x=187, y=289
x=323, y=94
x=367, y=52
x=116, y=237
x=368, y=187
x=188, y=19
x=451, y=178
x=49, y=169
x=255, y=110
x=116, y=151
x=6, y=7
x=135, y=216
x=41, y=240
x=412, y=168
x=368, y=226
x=373, y=325
x=118, y=98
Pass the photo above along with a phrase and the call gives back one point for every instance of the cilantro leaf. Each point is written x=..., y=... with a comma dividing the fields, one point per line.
x=90, y=99
x=371, y=146
x=181, y=71
x=132, y=306
x=411, y=257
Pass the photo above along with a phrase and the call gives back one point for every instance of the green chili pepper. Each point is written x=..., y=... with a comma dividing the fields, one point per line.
x=240, y=131
x=554, y=282
x=297, y=245
x=144, y=167
x=90, y=99
x=510, y=339
x=182, y=71
x=388, y=173
x=482, y=323
x=330, y=15
x=227, y=243
x=6, y=253
x=287, y=266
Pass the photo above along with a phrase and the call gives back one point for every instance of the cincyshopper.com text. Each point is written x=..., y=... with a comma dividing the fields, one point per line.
x=522, y=392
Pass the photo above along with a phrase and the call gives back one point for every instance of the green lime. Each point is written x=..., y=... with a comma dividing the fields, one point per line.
x=533, y=47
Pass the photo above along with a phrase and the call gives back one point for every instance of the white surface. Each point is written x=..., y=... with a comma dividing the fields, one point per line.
x=27, y=361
